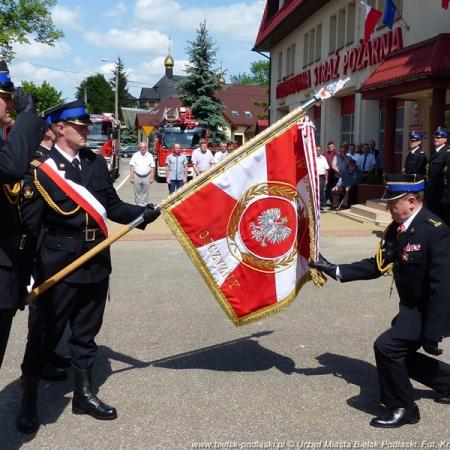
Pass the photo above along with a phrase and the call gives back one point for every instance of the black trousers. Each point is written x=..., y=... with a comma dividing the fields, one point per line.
x=322, y=190
x=80, y=305
x=398, y=362
x=6, y=317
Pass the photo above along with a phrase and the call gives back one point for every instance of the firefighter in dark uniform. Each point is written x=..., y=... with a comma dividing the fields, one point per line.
x=69, y=230
x=435, y=172
x=442, y=139
x=416, y=160
x=16, y=153
x=415, y=247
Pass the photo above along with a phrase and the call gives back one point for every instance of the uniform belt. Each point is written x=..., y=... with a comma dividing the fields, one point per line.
x=142, y=176
x=87, y=234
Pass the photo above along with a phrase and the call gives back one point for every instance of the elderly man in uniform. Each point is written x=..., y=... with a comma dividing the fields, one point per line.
x=16, y=153
x=415, y=248
x=416, y=160
x=65, y=203
x=435, y=172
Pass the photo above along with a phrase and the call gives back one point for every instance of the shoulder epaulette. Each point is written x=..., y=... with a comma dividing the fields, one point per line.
x=35, y=163
x=434, y=222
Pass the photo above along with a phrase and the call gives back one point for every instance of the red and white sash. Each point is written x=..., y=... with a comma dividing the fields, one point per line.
x=78, y=193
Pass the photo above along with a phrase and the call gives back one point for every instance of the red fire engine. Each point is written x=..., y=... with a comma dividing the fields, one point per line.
x=103, y=138
x=179, y=128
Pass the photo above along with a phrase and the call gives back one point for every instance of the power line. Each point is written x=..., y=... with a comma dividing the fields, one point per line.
x=71, y=71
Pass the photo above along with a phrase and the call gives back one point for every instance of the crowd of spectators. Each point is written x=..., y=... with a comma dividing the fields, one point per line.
x=340, y=172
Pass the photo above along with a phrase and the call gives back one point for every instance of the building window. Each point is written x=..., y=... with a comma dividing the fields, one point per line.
x=292, y=59
x=280, y=66
x=350, y=37
x=288, y=61
x=341, y=29
x=318, y=42
x=234, y=113
x=312, y=39
x=348, y=128
x=399, y=123
x=248, y=114
x=305, y=49
x=312, y=43
x=333, y=27
x=239, y=139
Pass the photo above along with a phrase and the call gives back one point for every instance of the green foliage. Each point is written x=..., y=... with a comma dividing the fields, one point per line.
x=98, y=92
x=21, y=19
x=123, y=84
x=46, y=94
x=197, y=90
x=259, y=74
x=129, y=135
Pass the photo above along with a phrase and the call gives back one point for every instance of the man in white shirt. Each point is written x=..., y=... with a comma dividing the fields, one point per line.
x=142, y=173
x=202, y=158
x=222, y=153
x=322, y=170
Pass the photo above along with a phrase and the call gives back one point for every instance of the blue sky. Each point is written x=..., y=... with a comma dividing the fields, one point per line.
x=138, y=31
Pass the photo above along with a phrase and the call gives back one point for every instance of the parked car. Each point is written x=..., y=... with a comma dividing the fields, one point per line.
x=127, y=151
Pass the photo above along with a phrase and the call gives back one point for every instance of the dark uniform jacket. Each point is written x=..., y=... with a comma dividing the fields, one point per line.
x=15, y=156
x=435, y=175
x=416, y=163
x=446, y=189
x=58, y=237
x=421, y=271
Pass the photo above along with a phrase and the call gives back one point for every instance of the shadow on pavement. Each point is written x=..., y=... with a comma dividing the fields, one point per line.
x=360, y=373
x=54, y=398
x=240, y=355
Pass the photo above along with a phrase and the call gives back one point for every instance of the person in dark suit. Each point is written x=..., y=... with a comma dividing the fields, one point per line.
x=67, y=226
x=435, y=173
x=415, y=248
x=416, y=160
x=16, y=152
x=441, y=139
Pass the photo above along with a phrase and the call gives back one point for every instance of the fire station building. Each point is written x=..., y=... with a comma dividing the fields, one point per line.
x=399, y=80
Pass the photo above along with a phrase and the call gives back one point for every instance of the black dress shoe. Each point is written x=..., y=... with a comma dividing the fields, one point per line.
x=53, y=373
x=396, y=418
x=443, y=398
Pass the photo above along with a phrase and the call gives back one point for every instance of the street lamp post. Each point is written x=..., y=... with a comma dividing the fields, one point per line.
x=116, y=90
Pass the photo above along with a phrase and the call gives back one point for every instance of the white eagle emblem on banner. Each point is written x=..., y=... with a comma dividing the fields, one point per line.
x=271, y=227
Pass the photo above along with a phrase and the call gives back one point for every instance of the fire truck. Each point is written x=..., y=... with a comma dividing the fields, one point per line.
x=178, y=128
x=103, y=138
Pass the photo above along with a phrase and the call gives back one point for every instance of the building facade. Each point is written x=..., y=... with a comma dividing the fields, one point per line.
x=398, y=81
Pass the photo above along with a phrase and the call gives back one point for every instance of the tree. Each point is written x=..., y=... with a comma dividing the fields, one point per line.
x=259, y=74
x=98, y=93
x=129, y=135
x=46, y=94
x=197, y=90
x=124, y=95
x=20, y=19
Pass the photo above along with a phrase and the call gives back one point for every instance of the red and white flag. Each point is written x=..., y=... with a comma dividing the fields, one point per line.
x=372, y=16
x=252, y=226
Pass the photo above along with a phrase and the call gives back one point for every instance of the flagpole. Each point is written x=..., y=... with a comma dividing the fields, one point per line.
x=277, y=127
x=82, y=259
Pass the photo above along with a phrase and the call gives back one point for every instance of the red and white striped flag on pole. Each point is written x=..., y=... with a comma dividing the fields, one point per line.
x=251, y=223
x=371, y=18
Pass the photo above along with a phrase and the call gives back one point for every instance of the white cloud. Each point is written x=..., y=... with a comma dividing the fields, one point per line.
x=236, y=21
x=69, y=18
x=38, y=50
x=133, y=40
x=117, y=11
x=62, y=81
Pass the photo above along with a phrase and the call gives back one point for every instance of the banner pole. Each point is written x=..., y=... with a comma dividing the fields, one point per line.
x=82, y=259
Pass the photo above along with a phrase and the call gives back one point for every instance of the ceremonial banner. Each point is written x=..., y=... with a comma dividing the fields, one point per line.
x=252, y=225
